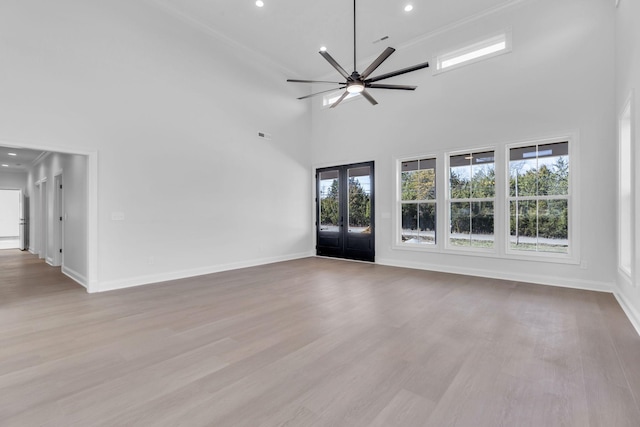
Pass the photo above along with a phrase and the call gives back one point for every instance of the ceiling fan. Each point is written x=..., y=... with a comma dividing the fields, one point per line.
x=359, y=83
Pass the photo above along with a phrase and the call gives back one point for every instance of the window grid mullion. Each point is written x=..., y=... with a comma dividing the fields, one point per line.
x=418, y=201
x=533, y=198
x=473, y=200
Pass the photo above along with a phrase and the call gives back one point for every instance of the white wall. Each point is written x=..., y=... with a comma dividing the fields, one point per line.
x=173, y=114
x=13, y=180
x=9, y=217
x=9, y=213
x=628, y=80
x=558, y=79
x=74, y=174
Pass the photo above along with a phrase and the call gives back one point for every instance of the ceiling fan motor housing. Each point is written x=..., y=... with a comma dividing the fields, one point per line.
x=355, y=83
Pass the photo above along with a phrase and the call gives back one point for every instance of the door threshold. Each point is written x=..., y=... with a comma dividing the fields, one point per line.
x=344, y=259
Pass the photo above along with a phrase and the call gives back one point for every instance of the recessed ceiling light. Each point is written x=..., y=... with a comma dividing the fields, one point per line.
x=408, y=8
x=259, y=3
x=5, y=166
x=12, y=154
x=323, y=49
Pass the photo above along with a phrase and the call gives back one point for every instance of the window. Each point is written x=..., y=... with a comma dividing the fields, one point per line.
x=418, y=201
x=538, y=198
x=484, y=49
x=518, y=206
x=471, y=200
x=329, y=99
x=625, y=224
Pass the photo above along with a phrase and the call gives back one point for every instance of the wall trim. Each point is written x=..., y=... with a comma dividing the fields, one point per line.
x=40, y=158
x=75, y=276
x=632, y=314
x=7, y=243
x=184, y=274
x=587, y=285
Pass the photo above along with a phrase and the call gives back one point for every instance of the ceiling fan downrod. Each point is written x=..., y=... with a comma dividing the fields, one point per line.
x=354, y=35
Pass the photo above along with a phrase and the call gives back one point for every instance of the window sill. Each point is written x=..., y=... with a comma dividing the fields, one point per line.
x=532, y=256
x=416, y=247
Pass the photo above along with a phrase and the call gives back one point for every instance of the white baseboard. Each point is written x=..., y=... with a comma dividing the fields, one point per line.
x=589, y=285
x=9, y=244
x=49, y=261
x=183, y=274
x=74, y=275
x=629, y=310
x=32, y=251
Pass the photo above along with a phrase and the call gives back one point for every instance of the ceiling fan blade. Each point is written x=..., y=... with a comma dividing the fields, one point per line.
x=335, y=65
x=397, y=73
x=383, y=86
x=368, y=97
x=335, y=104
x=313, y=81
x=375, y=64
x=324, y=91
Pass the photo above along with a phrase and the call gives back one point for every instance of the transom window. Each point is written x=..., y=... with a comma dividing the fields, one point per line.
x=483, y=49
x=329, y=99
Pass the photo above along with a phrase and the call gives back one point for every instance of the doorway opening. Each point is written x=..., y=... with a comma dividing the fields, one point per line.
x=345, y=200
x=46, y=203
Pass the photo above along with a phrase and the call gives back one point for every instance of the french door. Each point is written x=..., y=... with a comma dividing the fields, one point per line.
x=345, y=212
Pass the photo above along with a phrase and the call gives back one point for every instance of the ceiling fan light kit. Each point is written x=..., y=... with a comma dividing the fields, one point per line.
x=359, y=83
x=355, y=87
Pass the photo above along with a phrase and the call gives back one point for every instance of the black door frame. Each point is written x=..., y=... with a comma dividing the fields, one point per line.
x=343, y=244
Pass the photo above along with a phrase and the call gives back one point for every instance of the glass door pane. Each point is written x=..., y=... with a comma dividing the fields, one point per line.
x=359, y=199
x=329, y=191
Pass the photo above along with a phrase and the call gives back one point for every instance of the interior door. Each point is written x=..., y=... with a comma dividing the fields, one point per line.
x=22, y=221
x=345, y=211
x=58, y=222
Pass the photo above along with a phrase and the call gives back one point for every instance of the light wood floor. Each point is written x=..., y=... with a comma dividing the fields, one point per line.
x=313, y=342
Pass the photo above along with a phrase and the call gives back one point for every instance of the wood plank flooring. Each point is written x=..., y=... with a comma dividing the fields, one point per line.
x=313, y=342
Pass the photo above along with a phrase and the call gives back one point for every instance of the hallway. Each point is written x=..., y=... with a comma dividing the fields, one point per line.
x=24, y=278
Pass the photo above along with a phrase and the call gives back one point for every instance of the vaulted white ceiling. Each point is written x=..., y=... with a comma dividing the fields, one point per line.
x=291, y=32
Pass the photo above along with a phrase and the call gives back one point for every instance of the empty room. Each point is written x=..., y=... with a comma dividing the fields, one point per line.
x=337, y=213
